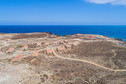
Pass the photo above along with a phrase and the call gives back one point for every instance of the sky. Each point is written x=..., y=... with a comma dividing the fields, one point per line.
x=62, y=12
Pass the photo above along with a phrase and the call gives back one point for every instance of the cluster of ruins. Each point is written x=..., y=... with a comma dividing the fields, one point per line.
x=50, y=46
x=46, y=46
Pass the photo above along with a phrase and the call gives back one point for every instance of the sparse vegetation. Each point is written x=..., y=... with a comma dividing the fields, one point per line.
x=46, y=69
x=20, y=46
x=25, y=36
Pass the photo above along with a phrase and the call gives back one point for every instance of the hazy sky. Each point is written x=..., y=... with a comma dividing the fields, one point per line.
x=62, y=12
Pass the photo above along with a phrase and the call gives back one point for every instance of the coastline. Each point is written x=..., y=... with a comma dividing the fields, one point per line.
x=119, y=39
x=113, y=31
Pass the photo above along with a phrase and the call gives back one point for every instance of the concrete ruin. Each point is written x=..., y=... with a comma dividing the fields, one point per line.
x=49, y=52
x=68, y=46
x=47, y=44
x=92, y=37
x=60, y=49
x=61, y=42
x=25, y=48
x=10, y=50
x=66, y=41
x=35, y=53
x=55, y=43
x=17, y=58
x=38, y=44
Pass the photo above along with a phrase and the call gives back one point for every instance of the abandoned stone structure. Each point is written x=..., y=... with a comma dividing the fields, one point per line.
x=35, y=53
x=25, y=48
x=61, y=42
x=38, y=44
x=66, y=41
x=68, y=46
x=48, y=52
x=47, y=44
x=55, y=43
x=60, y=49
x=17, y=58
x=10, y=50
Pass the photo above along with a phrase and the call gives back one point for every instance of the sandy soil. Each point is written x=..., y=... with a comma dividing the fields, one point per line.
x=97, y=60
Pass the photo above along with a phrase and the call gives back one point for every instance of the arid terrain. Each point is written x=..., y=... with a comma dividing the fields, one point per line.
x=44, y=58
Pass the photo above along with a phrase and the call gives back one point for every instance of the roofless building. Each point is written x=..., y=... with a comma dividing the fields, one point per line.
x=35, y=53
x=48, y=52
x=25, y=48
x=17, y=58
x=10, y=50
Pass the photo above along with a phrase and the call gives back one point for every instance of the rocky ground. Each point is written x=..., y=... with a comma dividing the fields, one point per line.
x=43, y=58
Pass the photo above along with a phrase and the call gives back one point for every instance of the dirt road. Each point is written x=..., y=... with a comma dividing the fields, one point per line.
x=92, y=63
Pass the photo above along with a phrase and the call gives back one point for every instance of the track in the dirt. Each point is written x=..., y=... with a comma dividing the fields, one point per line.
x=92, y=63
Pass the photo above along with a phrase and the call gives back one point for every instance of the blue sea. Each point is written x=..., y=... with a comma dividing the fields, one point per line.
x=113, y=31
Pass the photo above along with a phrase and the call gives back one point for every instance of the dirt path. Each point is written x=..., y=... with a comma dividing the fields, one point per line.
x=114, y=54
x=92, y=63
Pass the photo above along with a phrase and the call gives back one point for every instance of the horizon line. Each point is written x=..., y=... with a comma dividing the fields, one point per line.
x=63, y=25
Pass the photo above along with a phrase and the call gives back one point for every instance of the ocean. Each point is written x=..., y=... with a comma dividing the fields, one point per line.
x=114, y=31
